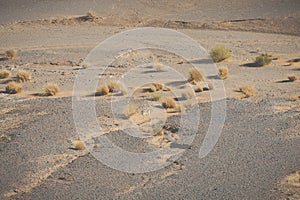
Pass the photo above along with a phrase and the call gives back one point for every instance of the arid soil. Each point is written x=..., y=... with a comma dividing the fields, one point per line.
x=257, y=155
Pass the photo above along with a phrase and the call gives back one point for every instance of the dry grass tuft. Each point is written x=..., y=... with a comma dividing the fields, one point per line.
x=293, y=78
x=158, y=66
x=248, y=91
x=13, y=88
x=156, y=97
x=219, y=53
x=101, y=91
x=223, y=73
x=132, y=109
x=10, y=54
x=4, y=74
x=199, y=89
x=23, y=76
x=112, y=86
x=91, y=15
x=294, y=98
x=169, y=103
x=195, y=76
x=156, y=87
x=50, y=89
x=78, y=145
x=263, y=59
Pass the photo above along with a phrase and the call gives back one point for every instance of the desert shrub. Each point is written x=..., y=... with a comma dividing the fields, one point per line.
x=78, y=145
x=263, y=59
x=248, y=91
x=195, y=75
x=4, y=73
x=156, y=87
x=219, y=53
x=91, y=15
x=10, y=54
x=169, y=103
x=199, y=89
x=13, y=88
x=23, y=76
x=294, y=98
x=50, y=89
x=223, y=73
x=293, y=78
x=112, y=86
x=101, y=91
x=156, y=97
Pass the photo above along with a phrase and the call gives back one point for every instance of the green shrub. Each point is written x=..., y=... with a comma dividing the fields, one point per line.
x=219, y=53
x=263, y=59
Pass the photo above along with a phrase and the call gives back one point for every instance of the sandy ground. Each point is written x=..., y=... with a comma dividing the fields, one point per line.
x=257, y=155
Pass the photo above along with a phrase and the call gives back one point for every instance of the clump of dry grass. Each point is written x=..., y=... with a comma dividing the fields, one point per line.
x=13, y=88
x=132, y=109
x=293, y=78
x=158, y=66
x=23, y=76
x=223, y=73
x=112, y=86
x=78, y=145
x=294, y=98
x=10, y=54
x=199, y=89
x=50, y=89
x=195, y=75
x=101, y=91
x=156, y=87
x=169, y=103
x=248, y=91
x=219, y=53
x=263, y=59
x=91, y=16
x=4, y=73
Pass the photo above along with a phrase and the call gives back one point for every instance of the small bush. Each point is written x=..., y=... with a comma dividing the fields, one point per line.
x=50, y=89
x=91, y=15
x=195, y=76
x=78, y=145
x=223, y=73
x=199, y=89
x=112, y=86
x=263, y=59
x=248, y=91
x=294, y=98
x=23, y=76
x=293, y=78
x=13, y=88
x=156, y=87
x=4, y=73
x=101, y=91
x=169, y=103
x=219, y=53
x=10, y=54
x=156, y=97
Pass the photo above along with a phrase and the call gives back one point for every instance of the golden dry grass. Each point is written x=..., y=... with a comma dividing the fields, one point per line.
x=199, y=89
x=23, y=76
x=294, y=98
x=156, y=87
x=4, y=73
x=195, y=75
x=293, y=78
x=112, y=86
x=10, y=54
x=132, y=109
x=91, y=15
x=13, y=88
x=101, y=91
x=223, y=73
x=169, y=103
x=248, y=91
x=78, y=145
x=219, y=53
x=50, y=89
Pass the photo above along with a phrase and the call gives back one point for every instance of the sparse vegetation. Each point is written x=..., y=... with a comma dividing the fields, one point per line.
x=10, y=54
x=156, y=97
x=169, y=103
x=158, y=66
x=23, y=76
x=263, y=59
x=293, y=78
x=112, y=86
x=50, y=89
x=132, y=109
x=13, y=88
x=219, y=53
x=294, y=98
x=101, y=91
x=78, y=145
x=247, y=91
x=195, y=76
x=223, y=73
x=91, y=15
x=4, y=74
x=199, y=89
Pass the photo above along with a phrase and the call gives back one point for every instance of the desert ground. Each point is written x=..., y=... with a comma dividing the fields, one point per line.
x=257, y=154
